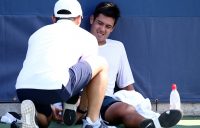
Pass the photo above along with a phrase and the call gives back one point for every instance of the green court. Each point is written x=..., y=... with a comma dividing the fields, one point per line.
x=186, y=122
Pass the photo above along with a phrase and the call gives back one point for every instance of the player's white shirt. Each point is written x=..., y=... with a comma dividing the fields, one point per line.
x=119, y=69
x=52, y=50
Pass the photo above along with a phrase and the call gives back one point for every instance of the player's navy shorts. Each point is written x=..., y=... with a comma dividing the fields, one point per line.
x=80, y=75
x=107, y=102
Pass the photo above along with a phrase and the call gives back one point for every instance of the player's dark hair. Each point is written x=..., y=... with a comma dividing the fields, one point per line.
x=108, y=9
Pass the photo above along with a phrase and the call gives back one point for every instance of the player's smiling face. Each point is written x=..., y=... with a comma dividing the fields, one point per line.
x=101, y=27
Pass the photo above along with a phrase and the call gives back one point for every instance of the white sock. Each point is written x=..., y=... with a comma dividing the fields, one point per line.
x=96, y=123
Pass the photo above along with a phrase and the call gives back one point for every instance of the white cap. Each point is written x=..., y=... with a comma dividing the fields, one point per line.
x=71, y=8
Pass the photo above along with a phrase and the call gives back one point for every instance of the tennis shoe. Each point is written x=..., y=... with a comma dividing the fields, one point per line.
x=28, y=114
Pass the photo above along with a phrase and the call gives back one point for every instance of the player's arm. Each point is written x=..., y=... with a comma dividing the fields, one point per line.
x=129, y=87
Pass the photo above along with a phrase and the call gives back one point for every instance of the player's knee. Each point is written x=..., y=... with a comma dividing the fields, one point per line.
x=127, y=110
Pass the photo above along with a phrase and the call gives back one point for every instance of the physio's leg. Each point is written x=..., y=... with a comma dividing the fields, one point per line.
x=95, y=90
x=83, y=101
x=34, y=111
x=122, y=113
x=44, y=115
x=83, y=106
x=42, y=120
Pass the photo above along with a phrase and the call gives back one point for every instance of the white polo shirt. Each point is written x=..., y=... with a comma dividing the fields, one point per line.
x=52, y=50
x=119, y=69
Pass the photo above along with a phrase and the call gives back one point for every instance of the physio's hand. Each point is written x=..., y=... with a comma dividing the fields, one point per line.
x=57, y=113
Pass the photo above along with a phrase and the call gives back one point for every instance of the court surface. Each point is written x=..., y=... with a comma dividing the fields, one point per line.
x=186, y=122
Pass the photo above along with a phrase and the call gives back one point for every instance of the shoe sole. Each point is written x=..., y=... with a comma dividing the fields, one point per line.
x=170, y=118
x=28, y=114
x=69, y=115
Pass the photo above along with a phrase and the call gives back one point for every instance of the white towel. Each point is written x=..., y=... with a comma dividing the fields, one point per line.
x=142, y=105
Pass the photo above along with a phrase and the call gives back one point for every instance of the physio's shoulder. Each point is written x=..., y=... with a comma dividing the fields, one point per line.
x=87, y=34
x=42, y=30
